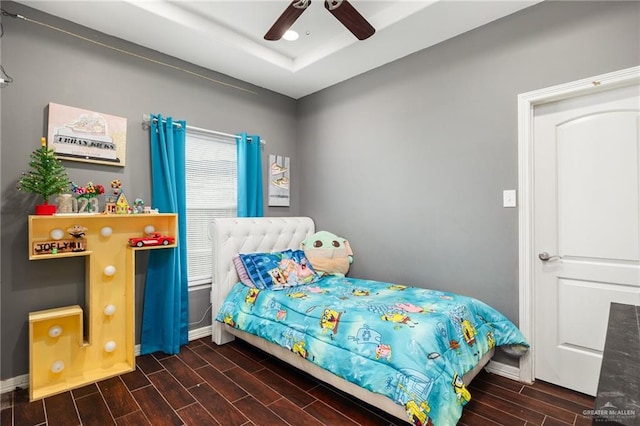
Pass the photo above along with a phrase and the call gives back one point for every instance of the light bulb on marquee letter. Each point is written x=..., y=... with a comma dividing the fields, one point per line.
x=109, y=310
x=56, y=234
x=110, y=346
x=110, y=270
x=57, y=367
x=106, y=231
x=55, y=331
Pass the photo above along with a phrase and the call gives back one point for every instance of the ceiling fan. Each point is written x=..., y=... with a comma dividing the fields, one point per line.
x=341, y=9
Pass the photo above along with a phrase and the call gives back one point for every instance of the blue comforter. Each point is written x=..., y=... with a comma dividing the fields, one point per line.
x=410, y=344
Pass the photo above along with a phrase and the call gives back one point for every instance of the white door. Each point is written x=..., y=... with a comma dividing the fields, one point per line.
x=586, y=216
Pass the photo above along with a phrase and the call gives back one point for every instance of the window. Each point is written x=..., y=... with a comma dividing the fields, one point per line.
x=211, y=175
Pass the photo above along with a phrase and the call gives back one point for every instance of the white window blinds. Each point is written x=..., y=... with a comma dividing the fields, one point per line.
x=211, y=174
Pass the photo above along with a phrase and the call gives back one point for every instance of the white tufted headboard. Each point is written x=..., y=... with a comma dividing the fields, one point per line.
x=231, y=236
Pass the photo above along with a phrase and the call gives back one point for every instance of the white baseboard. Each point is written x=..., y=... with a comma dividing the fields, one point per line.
x=13, y=383
x=199, y=333
x=504, y=370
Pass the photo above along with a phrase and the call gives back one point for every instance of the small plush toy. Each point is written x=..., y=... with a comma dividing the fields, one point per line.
x=77, y=231
x=328, y=253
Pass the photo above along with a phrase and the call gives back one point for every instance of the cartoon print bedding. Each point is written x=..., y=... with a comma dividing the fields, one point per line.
x=410, y=344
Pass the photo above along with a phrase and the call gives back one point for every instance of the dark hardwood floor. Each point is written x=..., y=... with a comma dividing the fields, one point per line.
x=236, y=384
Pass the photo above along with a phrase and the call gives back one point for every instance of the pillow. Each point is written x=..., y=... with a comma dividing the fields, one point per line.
x=279, y=270
x=251, y=269
x=515, y=350
x=242, y=271
x=328, y=253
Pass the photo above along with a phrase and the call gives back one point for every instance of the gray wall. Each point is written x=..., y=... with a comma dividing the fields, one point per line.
x=49, y=66
x=409, y=161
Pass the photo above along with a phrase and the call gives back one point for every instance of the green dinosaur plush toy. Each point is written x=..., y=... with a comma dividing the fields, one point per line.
x=328, y=253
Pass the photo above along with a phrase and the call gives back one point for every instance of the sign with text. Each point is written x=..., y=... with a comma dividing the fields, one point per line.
x=81, y=135
x=60, y=246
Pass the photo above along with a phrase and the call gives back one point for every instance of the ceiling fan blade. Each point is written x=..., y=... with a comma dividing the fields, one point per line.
x=286, y=20
x=350, y=18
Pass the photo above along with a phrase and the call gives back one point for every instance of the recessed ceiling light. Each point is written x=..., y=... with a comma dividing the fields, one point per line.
x=290, y=35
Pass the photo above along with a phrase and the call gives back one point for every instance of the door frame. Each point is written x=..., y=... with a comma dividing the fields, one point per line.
x=527, y=256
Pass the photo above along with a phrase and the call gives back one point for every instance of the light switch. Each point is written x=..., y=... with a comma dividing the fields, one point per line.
x=509, y=198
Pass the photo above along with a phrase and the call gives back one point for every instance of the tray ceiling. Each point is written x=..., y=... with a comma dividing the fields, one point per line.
x=227, y=36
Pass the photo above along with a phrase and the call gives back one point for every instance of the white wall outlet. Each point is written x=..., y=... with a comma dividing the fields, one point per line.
x=509, y=198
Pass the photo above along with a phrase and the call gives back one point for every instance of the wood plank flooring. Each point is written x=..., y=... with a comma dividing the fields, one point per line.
x=236, y=384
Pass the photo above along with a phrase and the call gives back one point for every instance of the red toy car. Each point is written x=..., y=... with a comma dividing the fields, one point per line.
x=155, y=239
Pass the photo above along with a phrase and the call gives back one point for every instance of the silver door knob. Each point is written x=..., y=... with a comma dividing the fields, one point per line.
x=545, y=257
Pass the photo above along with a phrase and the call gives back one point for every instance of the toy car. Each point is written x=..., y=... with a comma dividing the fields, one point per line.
x=155, y=239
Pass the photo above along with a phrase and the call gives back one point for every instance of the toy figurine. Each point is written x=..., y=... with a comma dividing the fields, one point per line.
x=110, y=204
x=122, y=205
x=115, y=186
x=78, y=232
x=138, y=206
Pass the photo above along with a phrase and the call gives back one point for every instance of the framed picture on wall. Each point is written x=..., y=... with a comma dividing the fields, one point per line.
x=279, y=180
x=81, y=135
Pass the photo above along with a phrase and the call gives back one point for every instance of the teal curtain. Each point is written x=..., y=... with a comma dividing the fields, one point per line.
x=249, y=176
x=165, y=313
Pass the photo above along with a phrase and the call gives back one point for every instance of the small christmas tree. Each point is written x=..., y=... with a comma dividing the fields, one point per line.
x=47, y=176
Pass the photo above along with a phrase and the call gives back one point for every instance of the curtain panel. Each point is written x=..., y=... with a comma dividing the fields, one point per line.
x=249, y=176
x=165, y=314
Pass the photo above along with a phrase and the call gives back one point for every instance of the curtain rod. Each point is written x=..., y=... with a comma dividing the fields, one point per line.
x=146, y=119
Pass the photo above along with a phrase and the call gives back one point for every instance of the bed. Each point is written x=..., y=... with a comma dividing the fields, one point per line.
x=407, y=377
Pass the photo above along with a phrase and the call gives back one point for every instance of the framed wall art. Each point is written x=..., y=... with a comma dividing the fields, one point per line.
x=279, y=180
x=81, y=135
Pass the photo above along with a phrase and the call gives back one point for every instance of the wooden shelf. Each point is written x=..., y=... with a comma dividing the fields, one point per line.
x=59, y=255
x=153, y=247
x=107, y=348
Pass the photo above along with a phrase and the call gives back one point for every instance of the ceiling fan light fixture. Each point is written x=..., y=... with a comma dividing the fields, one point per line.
x=342, y=10
x=291, y=35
